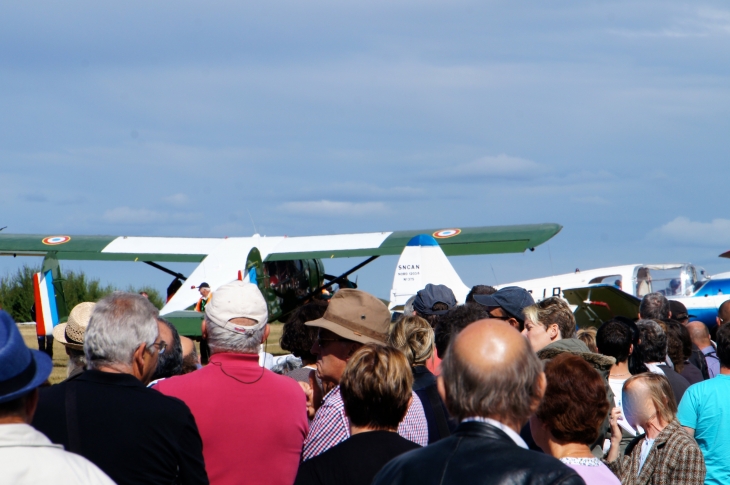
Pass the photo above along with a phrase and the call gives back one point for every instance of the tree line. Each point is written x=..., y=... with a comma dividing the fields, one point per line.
x=17, y=298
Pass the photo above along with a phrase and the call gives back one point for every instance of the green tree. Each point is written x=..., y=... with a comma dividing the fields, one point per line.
x=17, y=297
x=16, y=293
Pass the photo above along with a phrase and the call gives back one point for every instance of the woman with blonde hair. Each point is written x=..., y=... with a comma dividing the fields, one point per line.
x=665, y=453
x=414, y=336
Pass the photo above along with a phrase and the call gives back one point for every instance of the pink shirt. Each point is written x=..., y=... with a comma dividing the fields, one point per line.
x=252, y=422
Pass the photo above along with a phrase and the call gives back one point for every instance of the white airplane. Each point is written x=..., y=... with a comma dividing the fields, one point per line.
x=596, y=295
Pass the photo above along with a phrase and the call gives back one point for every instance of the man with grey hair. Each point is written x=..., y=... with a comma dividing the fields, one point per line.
x=654, y=306
x=106, y=414
x=491, y=382
x=246, y=413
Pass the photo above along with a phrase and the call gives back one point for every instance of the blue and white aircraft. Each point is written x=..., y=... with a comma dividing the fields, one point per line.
x=596, y=294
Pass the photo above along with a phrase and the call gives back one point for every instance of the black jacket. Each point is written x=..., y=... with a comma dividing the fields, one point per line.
x=480, y=454
x=678, y=383
x=355, y=461
x=134, y=434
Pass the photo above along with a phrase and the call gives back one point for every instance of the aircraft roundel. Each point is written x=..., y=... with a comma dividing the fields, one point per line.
x=55, y=240
x=444, y=233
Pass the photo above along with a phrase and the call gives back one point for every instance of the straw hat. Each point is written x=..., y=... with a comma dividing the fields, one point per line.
x=71, y=334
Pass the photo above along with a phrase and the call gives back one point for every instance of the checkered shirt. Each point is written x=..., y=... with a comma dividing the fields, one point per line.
x=330, y=425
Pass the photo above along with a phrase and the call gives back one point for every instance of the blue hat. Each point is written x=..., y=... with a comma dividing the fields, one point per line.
x=432, y=294
x=511, y=299
x=21, y=369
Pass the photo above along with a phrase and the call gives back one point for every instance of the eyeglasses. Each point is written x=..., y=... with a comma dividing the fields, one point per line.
x=161, y=346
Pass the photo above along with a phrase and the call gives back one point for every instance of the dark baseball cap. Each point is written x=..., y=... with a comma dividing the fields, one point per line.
x=204, y=285
x=511, y=299
x=679, y=311
x=432, y=294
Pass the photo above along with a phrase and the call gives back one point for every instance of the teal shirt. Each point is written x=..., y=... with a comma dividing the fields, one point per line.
x=705, y=407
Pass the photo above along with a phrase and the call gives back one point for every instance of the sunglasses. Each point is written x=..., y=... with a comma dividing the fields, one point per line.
x=321, y=342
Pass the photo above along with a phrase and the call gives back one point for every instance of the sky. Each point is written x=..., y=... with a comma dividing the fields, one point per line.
x=223, y=118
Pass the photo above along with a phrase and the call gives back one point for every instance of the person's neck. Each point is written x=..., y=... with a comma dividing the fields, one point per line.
x=115, y=369
x=568, y=450
x=13, y=420
x=724, y=370
x=365, y=429
x=620, y=370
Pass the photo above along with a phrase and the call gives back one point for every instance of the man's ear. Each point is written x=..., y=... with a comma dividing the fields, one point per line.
x=267, y=330
x=669, y=315
x=539, y=391
x=631, y=349
x=516, y=324
x=138, y=361
x=204, y=330
x=553, y=331
x=639, y=314
x=441, y=387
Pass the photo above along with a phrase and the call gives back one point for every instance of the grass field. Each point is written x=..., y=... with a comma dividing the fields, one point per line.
x=60, y=359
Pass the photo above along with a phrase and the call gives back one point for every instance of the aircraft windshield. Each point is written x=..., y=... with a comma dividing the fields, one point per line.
x=670, y=281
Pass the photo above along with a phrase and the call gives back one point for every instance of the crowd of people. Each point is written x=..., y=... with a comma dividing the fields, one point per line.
x=498, y=390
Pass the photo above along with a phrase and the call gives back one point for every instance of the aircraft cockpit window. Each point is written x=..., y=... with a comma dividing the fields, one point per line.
x=670, y=281
x=614, y=280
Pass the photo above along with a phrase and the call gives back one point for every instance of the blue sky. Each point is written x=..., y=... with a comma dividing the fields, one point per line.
x=180, y=118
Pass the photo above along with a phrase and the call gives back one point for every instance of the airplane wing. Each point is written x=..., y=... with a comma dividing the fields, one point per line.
x=221, y=258
x=599, y=303
x=453, y=241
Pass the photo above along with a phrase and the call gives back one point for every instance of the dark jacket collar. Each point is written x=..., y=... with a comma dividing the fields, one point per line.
x=108, y=378
x=478, y=429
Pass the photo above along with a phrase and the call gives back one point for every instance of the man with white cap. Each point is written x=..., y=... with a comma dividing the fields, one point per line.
x=27, y=456
x=252, y=421
x=71, y=335
x=353, y=318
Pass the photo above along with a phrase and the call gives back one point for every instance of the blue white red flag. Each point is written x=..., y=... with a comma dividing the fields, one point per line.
x=46, y=311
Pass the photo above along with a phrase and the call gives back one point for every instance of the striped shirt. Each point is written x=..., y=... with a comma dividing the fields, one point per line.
x=330, y=425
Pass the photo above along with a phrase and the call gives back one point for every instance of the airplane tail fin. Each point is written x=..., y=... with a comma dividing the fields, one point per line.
x=422, y=262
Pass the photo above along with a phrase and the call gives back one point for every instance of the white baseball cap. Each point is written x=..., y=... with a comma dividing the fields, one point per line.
x=237, y=300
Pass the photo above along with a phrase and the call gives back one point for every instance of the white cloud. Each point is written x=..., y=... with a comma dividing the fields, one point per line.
x=684, y=230
x=333, y=208
x=502, y=166
x=176, y=199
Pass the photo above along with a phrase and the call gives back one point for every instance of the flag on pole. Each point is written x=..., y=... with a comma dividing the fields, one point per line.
x=46, y=311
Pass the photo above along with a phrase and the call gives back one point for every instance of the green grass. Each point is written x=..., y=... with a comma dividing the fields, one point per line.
x=60, y=358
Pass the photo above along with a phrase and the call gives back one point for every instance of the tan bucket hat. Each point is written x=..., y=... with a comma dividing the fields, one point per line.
x=71, y=334
x=356, y=315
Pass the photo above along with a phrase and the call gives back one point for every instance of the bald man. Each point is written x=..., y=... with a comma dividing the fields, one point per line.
x=723, y=313
x=491, y=382
x=700, y=336
x=191, y=361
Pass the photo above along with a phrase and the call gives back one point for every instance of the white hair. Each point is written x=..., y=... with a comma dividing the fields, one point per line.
x=76, y=360
x=224, y=340
x=119, y=323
